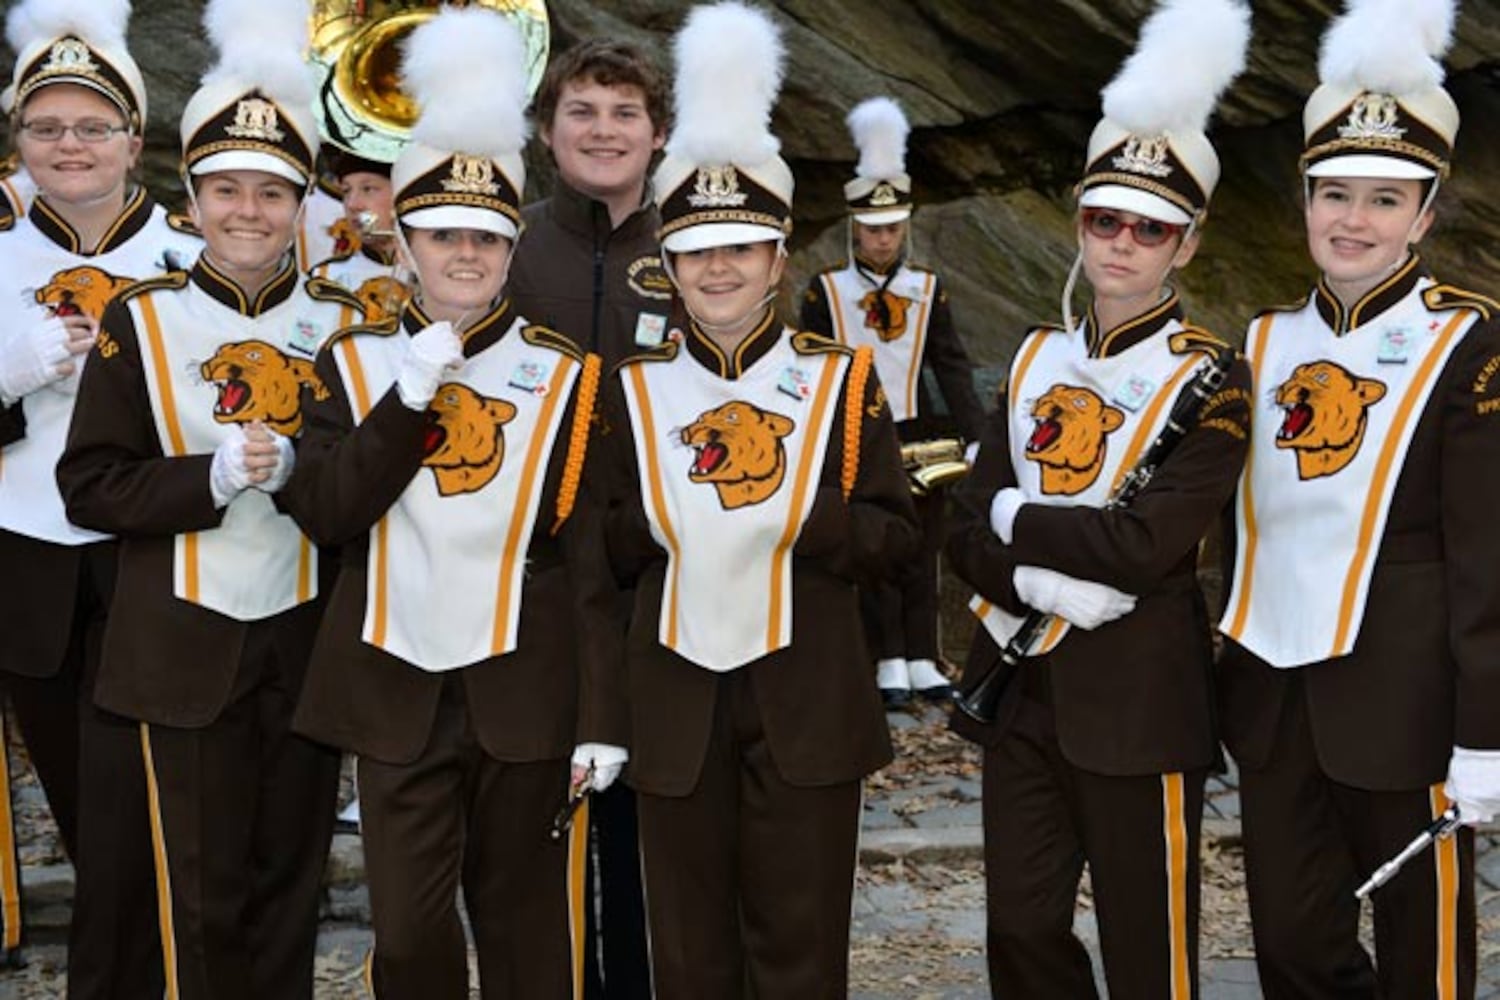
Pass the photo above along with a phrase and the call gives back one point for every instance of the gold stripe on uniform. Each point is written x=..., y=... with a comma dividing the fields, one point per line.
x=1445, y=871
x=1175, y=839
x=1365, y=548
x=578, y=858
x=10, y=874
x=174, y=434
x=658, y=499
x=1246, y=569
x=812, y=433
x=514, y=543
x=163, y=874
x=835, y=307
x=914, y=370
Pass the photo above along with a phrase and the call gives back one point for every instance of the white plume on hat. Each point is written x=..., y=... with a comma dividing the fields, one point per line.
x=97, y=22
x=1188, y=53
x=880, y=129
x=1388, y=46
x=466, y=69
x=730, y=61
x=261, y=45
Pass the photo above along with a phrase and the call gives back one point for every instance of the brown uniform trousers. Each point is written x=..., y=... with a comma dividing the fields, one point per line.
x=461, y=772
x=1100, y=749
x=748, y=783
x=242, y=808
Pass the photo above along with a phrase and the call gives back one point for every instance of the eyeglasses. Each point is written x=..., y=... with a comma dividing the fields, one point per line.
x=1106, y=224
x=88, y=130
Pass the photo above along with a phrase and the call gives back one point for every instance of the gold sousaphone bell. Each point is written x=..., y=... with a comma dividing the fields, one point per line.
x=931, y=465
x=356, y=51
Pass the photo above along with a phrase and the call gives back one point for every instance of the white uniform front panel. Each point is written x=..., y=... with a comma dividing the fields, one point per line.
x=898, y=361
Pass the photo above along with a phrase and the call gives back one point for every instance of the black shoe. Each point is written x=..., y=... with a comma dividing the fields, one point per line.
x=938, y=694
x=895, y=698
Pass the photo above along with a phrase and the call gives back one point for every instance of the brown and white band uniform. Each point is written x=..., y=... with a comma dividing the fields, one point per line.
x=217, y=600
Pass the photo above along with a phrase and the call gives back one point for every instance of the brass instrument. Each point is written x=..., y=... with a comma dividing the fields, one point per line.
x=356, y=51
x=931, y=465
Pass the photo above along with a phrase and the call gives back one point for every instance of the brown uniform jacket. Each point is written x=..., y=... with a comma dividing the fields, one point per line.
x=524, y=705
x=1424, y=673
x=1134, y=695
x=817, y=697
x=166, y=661
x=593, y=283
x=943, y=354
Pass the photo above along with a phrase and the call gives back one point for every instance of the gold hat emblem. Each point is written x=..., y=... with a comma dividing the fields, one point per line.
x=1373, y=116
x=472, y=175
x=70, y=55
x=256, y=118
x=883, y=195
x=717, y=187
x=1146, y=155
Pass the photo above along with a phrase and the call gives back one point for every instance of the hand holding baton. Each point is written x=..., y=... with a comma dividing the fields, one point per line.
x=578, y=791
x=1441, y=827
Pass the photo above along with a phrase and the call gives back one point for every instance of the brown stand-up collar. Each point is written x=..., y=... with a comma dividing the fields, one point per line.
x=222, y=288
x=754, y=347
x=1374, y=302
x=1107, y=343
x=131, y=220
x=490, y=327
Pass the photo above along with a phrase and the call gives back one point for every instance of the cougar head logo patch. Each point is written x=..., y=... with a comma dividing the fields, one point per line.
x=1323, y=416
x=885, y=313
x=1070, y=437
x=79, y=291
x=255, y=381
x=737, y=447
x=346, y=238
x=463, y=444
x=381, y=296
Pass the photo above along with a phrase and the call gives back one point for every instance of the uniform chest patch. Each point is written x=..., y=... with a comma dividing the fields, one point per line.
x=1070, y=437
x=79, y=291
x=737, y=449
x=463, y=443
x=255, y=381
x=885, y=312
x=1324, y=414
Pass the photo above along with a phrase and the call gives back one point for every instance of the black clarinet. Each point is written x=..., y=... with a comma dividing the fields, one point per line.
x=980, y=699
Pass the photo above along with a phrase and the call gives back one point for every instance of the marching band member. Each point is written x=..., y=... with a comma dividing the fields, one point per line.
x=752, y=475
x=592, y=270
x=1100, y=747
x=445, y=462
x=1363, y=667
x=78, y=107
x=365, y=258
x=880, y=298
x=180, y=444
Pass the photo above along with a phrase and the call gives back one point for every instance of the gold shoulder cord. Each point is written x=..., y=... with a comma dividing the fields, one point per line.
x=854, y=405
x=578, y=439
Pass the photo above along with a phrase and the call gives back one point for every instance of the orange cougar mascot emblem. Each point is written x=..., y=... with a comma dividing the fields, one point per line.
x=382, y=297
x=463, y=444
x=1070, y=437
x=1324, y=416
x=79, y=290
x=255, y=381
x=885, y=313
x=737, y=447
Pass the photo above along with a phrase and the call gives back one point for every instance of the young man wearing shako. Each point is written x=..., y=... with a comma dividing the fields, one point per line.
x=180, y=442
x=1097, y=747
x=446, y=462
x=1360, y=686
x=752, y=477
x=880, y=298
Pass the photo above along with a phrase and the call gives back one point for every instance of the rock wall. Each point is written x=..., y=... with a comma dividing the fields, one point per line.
x=1002, y=95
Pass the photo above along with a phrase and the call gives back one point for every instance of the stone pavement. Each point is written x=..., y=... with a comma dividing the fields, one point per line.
x=918, y=930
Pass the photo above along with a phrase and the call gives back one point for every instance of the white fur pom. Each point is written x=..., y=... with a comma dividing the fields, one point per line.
x=261, y=43
x=879, y=128
x=98, y=22
x=1188, y=54
x=729, y=68
x=466, y=69
x=1391, y=46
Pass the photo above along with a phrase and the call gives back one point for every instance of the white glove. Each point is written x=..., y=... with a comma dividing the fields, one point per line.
x=1474, y=784
x=607, y=760
x=286, y=459
x=971, y=453
x=430, y=355
x=1083, y=603
x=1003, y=510
x=34, y=358
x=227, y=475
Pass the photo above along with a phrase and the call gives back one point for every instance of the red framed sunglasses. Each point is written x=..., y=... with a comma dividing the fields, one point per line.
x=1106, y=223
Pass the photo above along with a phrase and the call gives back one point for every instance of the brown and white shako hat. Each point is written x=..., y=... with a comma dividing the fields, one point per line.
x=723, y=181
x=880, y=193
x=1381, y=110
x=253, y=110
x=74, y=41
x=466, y=68
x=1149, y=155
